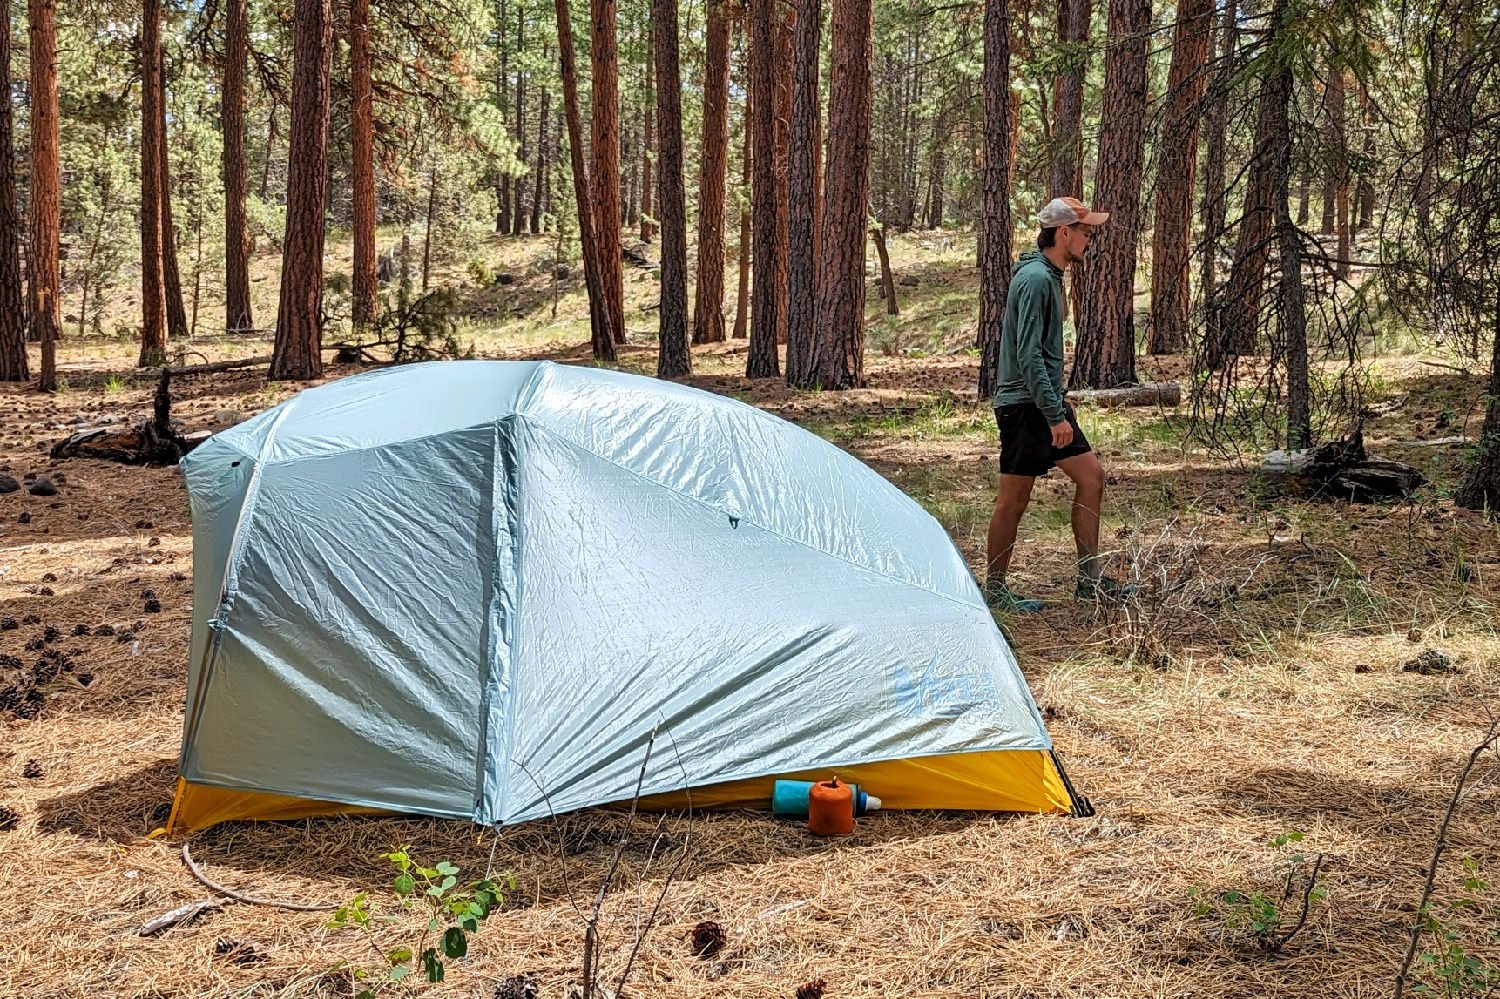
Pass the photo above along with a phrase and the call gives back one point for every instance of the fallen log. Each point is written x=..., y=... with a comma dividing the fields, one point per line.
x=1153, y=394
x=155, y=441
x=213, y=366
x=1342, y=470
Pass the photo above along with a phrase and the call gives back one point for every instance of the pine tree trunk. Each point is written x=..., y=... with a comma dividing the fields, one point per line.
x=763, y=361
x=539, y=165
x=675, y=360
x=1481, y=490
x=46, y=228
x=1304, y=195
x=432, y=205
x=1341, y=180
x=602, y=338
x=802, y=176
x=1239, y=311
x=1335, y=180
x=518, y=202
x=1066, y=180
x=1105, y=354
x=838, y=349
x=297, y=355
x=362, y=142
x=995, y=225
x=1177, y=158
x=648, y=141
x=747, y=171
x=1292, y=299
x=937, y=175
x=605, y=177
x=503, y=191
x=1216, y=119
x=13, y=363
x=1365, y=191
x=781, y=146
x=713, y=166
x=153, y=297
x=237, y=315
x=177, y=327
x=265, y=167
x=887, y=280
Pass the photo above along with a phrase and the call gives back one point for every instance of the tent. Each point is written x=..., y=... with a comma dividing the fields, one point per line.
x=474, y=589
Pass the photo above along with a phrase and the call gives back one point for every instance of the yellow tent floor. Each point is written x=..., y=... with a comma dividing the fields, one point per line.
x=1002, y=781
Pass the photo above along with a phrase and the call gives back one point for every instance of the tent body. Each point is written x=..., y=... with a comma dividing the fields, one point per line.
x=475, y=589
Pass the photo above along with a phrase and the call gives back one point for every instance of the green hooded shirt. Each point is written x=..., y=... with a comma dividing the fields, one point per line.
x=1030, y=368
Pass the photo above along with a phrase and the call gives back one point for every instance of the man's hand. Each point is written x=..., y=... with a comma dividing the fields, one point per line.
x=1062, y=434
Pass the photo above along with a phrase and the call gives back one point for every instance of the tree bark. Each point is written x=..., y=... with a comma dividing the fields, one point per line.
x=1239, y=310
x=503, y=190
x=1342, y=179
x=887, y=281
x=747, y=170
x=1216, y=119
x=1066, y=179
x=13, y=362
x=431, y=217
x=937, y=172
x=606, y=173
x=1177, y=157
x=840, y=340
x=601, y=337
x=177, y=327
x=675, y=360
x=362, y=141
x=46, y=230
x=781, y=147
x=539, y=164
x=995, y=225
x=1105, y=354
x=296, y=355
x=802, y=167
x=1292, y=300
x=153, y=296
x=763, y=361
x=713, y=165
x=1481, y=489
x=648, y=140
x=1333, y=110
x=518, y=205
x=237, y=315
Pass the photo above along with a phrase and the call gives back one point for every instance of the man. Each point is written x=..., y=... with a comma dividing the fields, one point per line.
x=1038, y=430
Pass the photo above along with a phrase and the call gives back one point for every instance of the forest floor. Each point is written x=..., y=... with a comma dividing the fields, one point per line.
x=1255, y=715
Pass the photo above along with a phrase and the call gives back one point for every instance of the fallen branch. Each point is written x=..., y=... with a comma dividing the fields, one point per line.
x=1281, y=940
x=181, y=914
x=1491, y=737
x=187, y=858
x=1154, y=394
x=213, y=366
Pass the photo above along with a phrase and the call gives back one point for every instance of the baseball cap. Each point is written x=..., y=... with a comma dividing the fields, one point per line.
x=1069, y=211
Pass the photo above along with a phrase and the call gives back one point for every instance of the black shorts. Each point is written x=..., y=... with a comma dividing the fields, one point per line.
x=1026, y=441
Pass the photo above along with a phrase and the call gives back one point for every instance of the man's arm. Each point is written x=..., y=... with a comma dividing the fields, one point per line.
x=1031, y=326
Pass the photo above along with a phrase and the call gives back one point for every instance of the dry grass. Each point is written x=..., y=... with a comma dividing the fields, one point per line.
x=1277, y=702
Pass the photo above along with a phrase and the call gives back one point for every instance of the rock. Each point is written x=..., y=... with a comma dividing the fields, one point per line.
x=561, y=273
x=909, y=281
x=1430, y=663
x=505, y=279
x=42, y=487
x=8, y=484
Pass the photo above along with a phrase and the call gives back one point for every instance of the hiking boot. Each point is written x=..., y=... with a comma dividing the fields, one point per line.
x=1104, y=590
x=999, y=597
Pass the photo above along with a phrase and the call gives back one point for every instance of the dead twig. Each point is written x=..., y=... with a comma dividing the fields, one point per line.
x=1280, y=941
x=187, y=858
x=1491, y=737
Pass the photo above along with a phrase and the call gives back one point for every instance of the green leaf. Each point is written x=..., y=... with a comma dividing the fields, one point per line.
x=432, y=965
x=399, y=972
x=455, y=943
x=366, y=994
x=400, y=955
x=449, y=882
x=444, y=867
x=433, y=925
x=405, y=884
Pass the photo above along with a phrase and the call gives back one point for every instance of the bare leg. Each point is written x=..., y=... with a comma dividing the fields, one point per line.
x=1010, y=504
x=1088, y=498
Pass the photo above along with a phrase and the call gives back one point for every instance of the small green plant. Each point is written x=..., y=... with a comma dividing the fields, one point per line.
x=1449, y=969
x=114, y=385
x=445, y=914
x=1267, y=917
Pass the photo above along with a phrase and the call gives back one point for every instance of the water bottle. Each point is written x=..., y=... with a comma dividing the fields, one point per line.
x=789, y=799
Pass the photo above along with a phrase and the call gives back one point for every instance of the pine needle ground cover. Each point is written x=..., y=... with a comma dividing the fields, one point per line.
x=1271, y=741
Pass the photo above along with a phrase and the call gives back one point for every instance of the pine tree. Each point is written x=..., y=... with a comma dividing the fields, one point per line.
x=675, y=360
